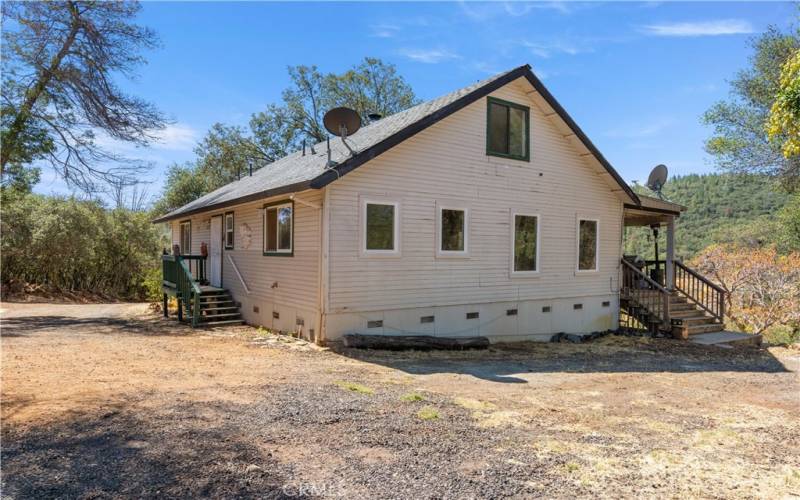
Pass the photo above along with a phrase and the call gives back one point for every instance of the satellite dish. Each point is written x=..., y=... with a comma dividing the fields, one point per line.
x=342, y=122
x=657, y=179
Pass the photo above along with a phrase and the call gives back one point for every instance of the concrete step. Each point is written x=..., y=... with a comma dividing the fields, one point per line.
x=726, y=339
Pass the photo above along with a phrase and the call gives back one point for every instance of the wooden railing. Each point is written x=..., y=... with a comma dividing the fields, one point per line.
x=693, y=285
x=646, y=301
x=698, y=289
x=177, y=274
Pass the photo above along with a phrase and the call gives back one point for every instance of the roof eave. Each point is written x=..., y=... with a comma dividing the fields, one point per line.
x=290, y=188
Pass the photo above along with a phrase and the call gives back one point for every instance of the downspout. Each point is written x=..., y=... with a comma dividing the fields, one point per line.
x=319, y=335
x=324, y=263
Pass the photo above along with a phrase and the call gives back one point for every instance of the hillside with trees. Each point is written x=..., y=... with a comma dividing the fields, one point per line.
x=720, y=208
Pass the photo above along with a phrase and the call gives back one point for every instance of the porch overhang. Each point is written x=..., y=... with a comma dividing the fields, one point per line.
x=651, y=211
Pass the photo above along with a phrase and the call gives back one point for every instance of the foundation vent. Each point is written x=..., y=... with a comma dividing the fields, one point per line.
x=375, y=324
x=577, y=306
x=511, y=312
x=473, y=315
x=546, y=309
x=426, y=319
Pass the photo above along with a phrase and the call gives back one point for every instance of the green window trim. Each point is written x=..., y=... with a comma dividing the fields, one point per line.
x=225, y=230
x=508, y=104
x=277, y=253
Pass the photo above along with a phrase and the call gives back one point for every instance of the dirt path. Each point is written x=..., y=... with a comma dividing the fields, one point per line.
x=112, y=400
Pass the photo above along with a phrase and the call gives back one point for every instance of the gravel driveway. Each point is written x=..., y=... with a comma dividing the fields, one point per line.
x=113, y=401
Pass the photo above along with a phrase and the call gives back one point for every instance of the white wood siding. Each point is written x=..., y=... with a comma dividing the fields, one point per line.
x=296, y=294
x=448, y=163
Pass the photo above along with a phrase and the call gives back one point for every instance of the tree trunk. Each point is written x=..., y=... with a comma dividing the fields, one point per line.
x=33, y=94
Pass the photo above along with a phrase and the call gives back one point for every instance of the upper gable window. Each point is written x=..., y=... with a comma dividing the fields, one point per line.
x=507, y=127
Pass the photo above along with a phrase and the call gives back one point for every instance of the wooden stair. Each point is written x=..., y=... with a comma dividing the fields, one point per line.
x=689, y=319
x=217, y=308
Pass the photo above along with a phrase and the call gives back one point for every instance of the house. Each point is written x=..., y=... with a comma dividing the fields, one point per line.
x=486, y=211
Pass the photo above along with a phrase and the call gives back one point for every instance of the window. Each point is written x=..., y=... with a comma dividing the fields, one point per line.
x=380, y=228
x=507, y=127
x=452, y=228
x=587, y=245
x=229, y=231
x=526, y=243
x=278, y=228
x=186, y=238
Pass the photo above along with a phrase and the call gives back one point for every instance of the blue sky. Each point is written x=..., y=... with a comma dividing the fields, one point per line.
x=635, y=76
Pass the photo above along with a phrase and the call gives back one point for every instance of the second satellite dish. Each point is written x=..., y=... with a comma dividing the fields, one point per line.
x=342, y=122
x=657, y=179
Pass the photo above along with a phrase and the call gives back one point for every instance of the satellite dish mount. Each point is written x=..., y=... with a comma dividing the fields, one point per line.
x=342, y=122
x=657, y=179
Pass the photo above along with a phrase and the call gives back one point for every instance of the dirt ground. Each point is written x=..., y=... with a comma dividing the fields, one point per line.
x=113, y=401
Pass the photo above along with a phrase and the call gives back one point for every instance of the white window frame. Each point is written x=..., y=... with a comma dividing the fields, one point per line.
x=188, y=223
x=362, y=225
x=596, y=269
x=278, y=250
x=225, y=231
x=512, y=226
x=451, y=253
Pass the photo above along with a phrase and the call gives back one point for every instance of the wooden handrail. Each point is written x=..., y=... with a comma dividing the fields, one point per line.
x=698, y=289
x=647, y=302
x=235, y=268
x=656, y=285
x=699, y=276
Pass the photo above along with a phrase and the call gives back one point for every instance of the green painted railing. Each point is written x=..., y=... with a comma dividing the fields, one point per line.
x=177, y=274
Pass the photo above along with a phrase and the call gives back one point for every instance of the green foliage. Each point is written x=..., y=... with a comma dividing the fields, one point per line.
x=354, y=387
x=412, y=397
x=739, y=142
x=428, y=413
x=225, y=152
x=78, y=245
x=721, y=208
x=784, y=119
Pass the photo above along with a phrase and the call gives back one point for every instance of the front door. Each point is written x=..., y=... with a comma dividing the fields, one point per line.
x=215, y=252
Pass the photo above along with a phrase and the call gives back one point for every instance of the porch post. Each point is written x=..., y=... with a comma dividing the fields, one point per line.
x=670, y=267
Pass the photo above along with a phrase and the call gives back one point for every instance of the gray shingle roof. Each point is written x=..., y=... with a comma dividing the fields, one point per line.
x=296, y=172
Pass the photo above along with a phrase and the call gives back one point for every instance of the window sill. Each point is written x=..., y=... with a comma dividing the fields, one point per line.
x=380, y=254
x=452, y=255
x=278, y=254
x=509, y=157
x=525, y=274
x=584, y=272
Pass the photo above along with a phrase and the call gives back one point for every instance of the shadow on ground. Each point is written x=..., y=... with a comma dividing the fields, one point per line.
x=613, y=354
x=21, y=326
x=118, y=454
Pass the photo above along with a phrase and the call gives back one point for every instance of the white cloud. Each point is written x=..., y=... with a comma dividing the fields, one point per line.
x=546, y=49
x=429, y=56
x=176, y=137
x=700, y=28
x=384, y=30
